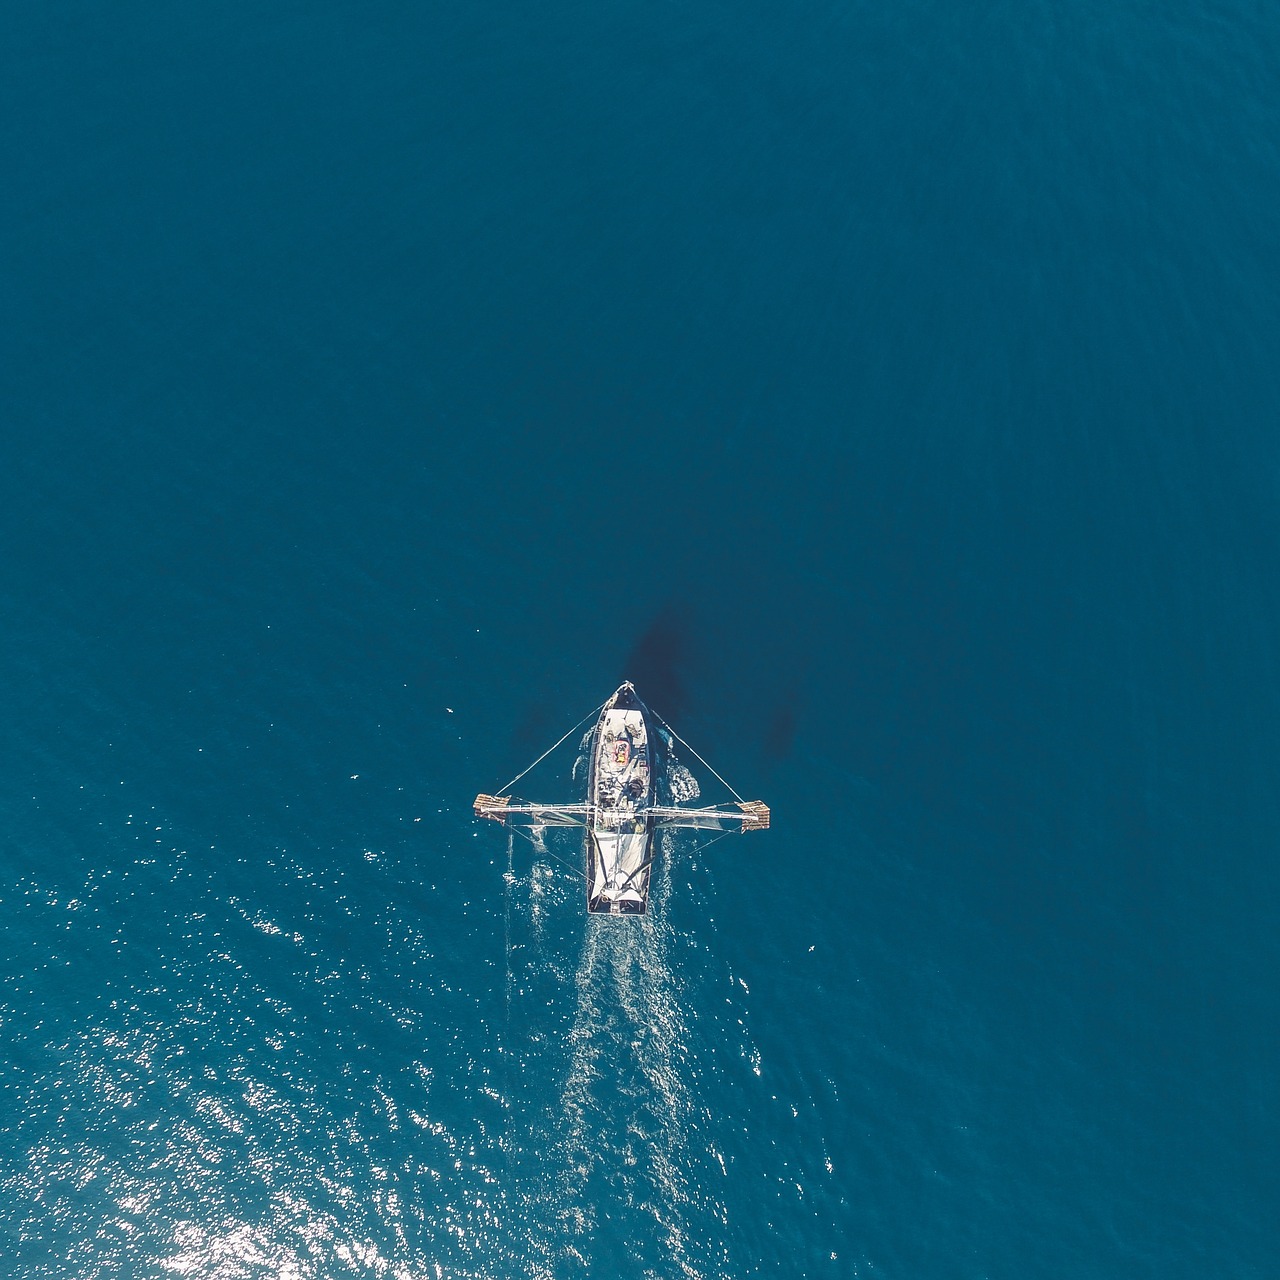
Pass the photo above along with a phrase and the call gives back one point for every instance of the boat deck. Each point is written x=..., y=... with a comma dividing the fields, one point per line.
x=622, y=783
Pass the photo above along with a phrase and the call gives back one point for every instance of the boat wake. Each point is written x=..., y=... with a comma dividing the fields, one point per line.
x=619, y=1139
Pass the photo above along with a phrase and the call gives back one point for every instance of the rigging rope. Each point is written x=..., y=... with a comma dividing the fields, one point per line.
x=644, y=866
x=502, y=791
x=683, y=743
x=545, y=848
x=699, y=848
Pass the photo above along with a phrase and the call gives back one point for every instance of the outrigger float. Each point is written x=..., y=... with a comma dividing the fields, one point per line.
x=626, y=786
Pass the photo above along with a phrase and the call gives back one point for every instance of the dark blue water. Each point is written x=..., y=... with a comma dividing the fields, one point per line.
x=890, y=391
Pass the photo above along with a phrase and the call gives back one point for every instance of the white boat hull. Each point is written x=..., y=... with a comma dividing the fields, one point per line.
x=620, y=790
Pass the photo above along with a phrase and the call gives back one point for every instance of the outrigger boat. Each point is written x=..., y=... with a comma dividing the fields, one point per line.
x=624, y=809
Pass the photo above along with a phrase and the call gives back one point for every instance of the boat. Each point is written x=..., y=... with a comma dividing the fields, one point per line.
x=628, y=802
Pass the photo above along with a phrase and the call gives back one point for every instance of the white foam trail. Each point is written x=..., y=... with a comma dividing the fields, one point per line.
x=540, y=877
x=626, y=1099
x=681, y=783
x=508, y=882
x=626, y=1131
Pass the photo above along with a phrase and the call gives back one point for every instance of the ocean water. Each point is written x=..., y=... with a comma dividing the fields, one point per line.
x=891, y=391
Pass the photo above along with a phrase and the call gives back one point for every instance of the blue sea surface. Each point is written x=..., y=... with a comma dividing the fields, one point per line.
x=891, y=391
